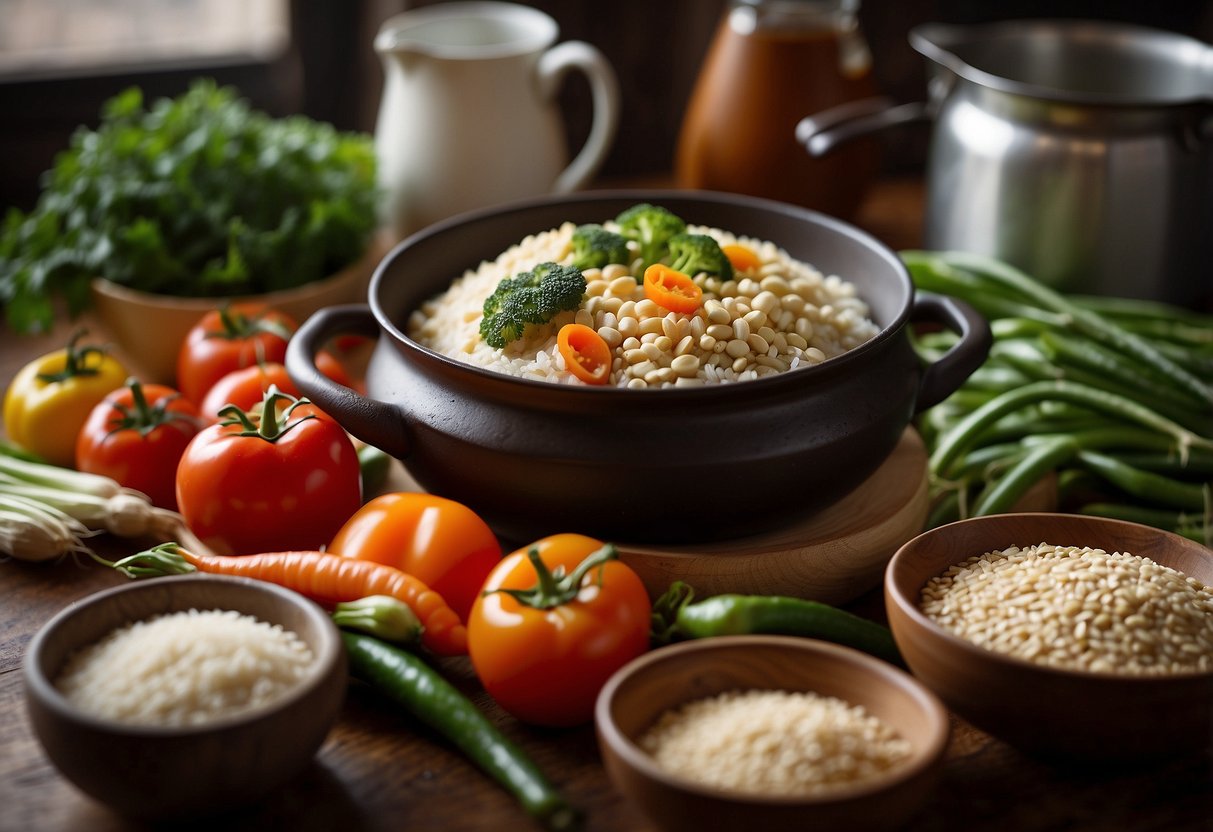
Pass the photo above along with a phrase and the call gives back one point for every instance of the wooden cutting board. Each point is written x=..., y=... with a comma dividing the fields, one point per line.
x=833, y=556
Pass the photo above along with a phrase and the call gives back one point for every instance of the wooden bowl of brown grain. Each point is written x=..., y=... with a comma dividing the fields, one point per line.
x=1001, y=651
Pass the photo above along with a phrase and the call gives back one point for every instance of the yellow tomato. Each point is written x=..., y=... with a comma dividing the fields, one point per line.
x=50, y=398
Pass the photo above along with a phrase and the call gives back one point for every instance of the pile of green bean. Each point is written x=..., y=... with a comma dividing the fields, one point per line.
x=1113, y=397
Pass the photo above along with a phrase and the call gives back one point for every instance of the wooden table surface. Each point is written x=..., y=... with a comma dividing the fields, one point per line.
x=379, y=771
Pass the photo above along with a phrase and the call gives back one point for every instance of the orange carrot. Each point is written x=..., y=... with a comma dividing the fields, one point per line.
x=323, y=577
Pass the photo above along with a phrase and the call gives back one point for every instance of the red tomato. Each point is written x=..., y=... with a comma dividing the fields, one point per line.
x=246, y=387
x=236, y=336
x=545, y=655
x=441, y=542
x=136, y=435
x=251, y=484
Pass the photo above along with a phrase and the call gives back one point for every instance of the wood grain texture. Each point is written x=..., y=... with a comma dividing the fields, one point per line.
x=833, y=556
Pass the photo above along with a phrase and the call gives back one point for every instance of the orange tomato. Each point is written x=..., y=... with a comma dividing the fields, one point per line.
x=586, y=355
x=438, y=541
x=671, y=289
x=549, y=630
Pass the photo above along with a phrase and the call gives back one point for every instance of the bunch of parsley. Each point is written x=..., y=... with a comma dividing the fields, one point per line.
x=195, y=196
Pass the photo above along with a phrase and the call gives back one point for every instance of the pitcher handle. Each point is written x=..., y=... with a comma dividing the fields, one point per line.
x=943, y=377
x=822, y=132
x=604, y=88
x=374, y=422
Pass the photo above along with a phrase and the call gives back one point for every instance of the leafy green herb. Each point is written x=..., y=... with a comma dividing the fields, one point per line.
x=194, y=196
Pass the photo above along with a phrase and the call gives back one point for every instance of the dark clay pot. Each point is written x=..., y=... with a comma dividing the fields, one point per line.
x=658, y=466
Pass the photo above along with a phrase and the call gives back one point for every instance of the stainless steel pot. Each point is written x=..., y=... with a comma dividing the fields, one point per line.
x=676, y=465
x=1079, y=151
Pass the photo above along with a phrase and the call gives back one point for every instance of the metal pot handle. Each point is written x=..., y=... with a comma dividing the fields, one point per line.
x=822, y=132
x=374, y=422
x=943, y=377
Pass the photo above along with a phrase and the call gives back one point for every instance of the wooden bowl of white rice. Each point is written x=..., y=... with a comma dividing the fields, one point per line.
x=660, y=455
x=770, y=733
x=1068, y=636
x=181, y=696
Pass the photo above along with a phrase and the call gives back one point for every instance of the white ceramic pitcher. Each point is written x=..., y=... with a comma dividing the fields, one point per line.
x=468, y=116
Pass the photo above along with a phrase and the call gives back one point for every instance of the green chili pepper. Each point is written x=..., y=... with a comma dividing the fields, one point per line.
x=675, y=618
x=409, y=681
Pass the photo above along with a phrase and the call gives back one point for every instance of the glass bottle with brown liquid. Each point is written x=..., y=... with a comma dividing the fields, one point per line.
x=771, y=63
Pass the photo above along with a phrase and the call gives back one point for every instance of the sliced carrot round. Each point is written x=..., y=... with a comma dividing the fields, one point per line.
x=671, y=289
x=742, y=258
x=586, y=355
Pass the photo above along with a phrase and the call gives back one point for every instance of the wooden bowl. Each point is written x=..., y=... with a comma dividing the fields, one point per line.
x=639, y=693
x=1069, y=713
x=156, y=772
x=148, y=329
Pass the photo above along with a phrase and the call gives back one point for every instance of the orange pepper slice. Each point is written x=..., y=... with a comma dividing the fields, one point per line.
x=742, y=257
x=586, y=355
x=671, y=289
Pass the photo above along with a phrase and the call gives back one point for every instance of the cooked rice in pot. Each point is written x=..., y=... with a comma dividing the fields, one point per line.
x=780, y=316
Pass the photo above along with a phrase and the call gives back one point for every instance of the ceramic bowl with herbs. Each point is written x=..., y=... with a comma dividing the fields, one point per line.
x=176, y=203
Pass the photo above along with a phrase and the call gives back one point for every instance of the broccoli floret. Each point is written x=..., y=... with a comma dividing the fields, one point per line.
x=695, y=253
x=594, y=247
x=533, y=297
x=652, y=227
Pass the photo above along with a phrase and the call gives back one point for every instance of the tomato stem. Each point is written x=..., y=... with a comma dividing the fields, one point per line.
x=239, y=327
x=75, y=361
x=267, y=426
x=554, y=588
x=145, y=417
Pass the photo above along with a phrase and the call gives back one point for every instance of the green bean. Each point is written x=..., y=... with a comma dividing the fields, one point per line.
x=1147, y=485
x=1040, y=460
x=1092, y=356
x=1031, y=421
x=1197, y=462
x=988, y=460
x=1194, y=528
x=1197, y=362
x=1114, y=436
x=1135, y=309
x=994, y=378
x=1180, y=412
x=1007, y=328
x=1159, y=517
x=966, y=433
x=1198, y=337
x=1082, y=320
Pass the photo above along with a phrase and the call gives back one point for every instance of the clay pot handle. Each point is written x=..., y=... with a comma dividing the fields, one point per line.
x=374, y=422
x=942, y=378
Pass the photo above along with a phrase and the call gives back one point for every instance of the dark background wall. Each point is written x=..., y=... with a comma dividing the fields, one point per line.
x=656, y=47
